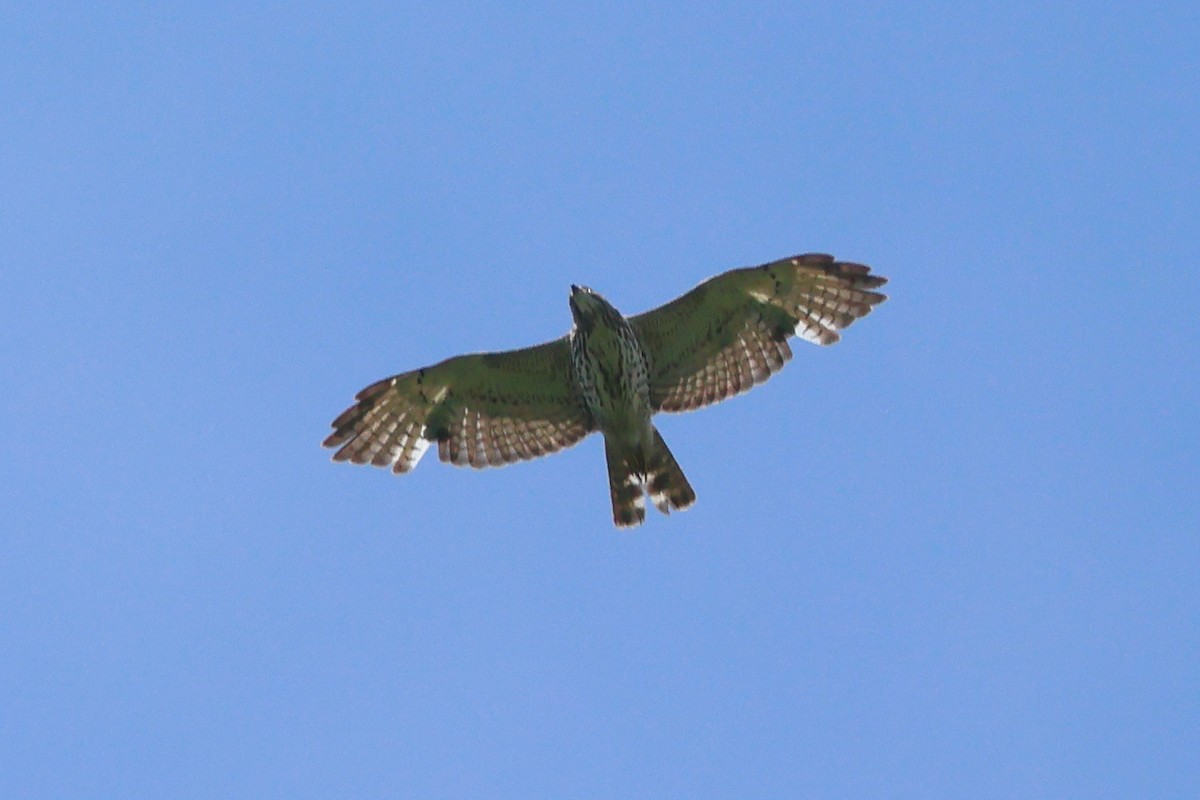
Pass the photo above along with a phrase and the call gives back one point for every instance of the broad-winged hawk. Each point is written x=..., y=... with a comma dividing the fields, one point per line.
x=610, y=374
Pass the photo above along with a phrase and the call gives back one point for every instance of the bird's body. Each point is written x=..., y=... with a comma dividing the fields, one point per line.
x=610, y=367
x=609, y=374
x=612, y=371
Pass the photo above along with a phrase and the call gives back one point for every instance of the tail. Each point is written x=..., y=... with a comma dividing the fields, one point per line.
x=632, y=474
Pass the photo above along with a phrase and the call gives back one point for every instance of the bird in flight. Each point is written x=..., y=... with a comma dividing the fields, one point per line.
x=610, y=374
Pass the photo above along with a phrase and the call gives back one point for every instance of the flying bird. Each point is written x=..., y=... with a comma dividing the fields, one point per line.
x=610, y=374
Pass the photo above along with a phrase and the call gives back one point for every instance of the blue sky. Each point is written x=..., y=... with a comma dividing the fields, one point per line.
x=954, y=556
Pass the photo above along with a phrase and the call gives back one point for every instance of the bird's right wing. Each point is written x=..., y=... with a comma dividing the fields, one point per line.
x=484, y=409
x=730, y=332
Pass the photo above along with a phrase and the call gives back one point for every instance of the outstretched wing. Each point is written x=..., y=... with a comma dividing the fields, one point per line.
x=730, y=332
x=484, y=410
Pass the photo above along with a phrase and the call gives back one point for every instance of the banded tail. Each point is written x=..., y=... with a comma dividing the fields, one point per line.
x=653, y=471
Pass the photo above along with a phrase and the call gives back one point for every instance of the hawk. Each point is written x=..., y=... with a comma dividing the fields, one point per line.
x=610, y=374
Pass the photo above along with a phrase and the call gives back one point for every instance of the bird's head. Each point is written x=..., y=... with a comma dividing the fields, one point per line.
x=587, y=307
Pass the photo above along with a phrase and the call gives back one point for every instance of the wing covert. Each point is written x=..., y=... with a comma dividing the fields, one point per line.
x=484, y=409
x=730, y=332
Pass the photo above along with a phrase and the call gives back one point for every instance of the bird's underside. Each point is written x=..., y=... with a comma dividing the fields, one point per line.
x=610, y=374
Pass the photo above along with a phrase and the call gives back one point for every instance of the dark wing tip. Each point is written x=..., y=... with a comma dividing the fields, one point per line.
x=858, y=274
x=374, y=390
x=813, y=259
x=345, y=428
x=347, y=424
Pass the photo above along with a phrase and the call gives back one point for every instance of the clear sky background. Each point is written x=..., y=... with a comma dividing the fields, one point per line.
x=955, y=555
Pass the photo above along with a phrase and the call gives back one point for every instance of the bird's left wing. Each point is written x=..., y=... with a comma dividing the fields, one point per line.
x=484, y=409
x=730, y=332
